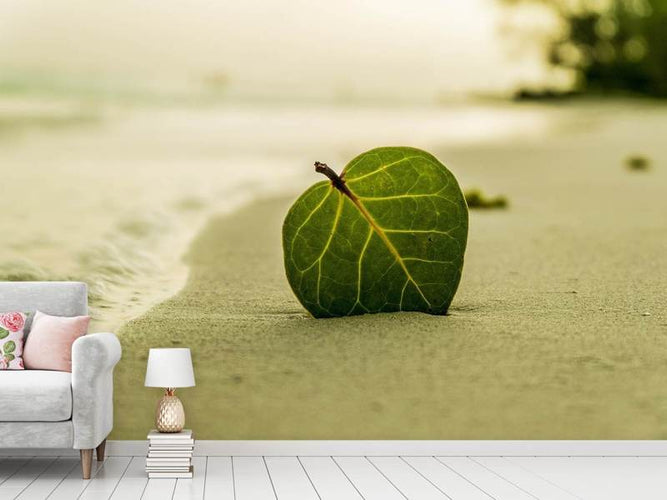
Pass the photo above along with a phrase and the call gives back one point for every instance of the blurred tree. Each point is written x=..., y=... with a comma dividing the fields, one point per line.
x=612, y=45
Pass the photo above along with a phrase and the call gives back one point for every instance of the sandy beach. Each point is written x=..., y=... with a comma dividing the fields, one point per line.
x=558, y=330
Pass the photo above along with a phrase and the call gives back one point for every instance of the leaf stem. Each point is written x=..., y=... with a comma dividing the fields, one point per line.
x=336, y=180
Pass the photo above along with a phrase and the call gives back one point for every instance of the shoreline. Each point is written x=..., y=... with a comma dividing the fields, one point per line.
x=167, y=274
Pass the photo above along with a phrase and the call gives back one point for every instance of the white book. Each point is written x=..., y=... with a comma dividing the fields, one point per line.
x=154, y=439
x=168, y=467
x=180, y=453
x=164, y=447
x=172, y=463
x=171, y=475
x=184, y=451
x=177, y=462
x=171, y=449
x=161, y=446
x=184, y=463
x=170, y=453
x=171, y=442
x=184, y=434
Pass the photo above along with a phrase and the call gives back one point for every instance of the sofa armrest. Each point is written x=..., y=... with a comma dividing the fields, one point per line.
x=93, y=359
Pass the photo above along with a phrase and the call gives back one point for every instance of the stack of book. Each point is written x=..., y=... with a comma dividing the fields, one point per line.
x=170, y=454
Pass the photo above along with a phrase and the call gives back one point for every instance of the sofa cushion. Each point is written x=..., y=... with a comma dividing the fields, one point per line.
x=49, y=346
x=36, y=435
x=35, y=396
x=11, y=340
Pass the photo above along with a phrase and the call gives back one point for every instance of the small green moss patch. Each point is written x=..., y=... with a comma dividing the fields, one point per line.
x=477, y=199
x=638, y=162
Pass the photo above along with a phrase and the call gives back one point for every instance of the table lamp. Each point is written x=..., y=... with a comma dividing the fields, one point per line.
x=169, y=368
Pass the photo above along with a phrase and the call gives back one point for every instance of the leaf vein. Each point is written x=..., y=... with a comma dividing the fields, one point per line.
x=400, y=304
x=404, y=196
x=361, y=258
x=381, y=169
x=428, y=261
x=339, y=210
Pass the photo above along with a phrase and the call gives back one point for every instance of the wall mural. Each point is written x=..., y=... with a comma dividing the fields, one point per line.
x=428, y=235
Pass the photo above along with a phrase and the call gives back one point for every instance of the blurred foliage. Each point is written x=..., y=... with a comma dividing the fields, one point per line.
x=612, y=45
x=475, y=198
x=638, y=162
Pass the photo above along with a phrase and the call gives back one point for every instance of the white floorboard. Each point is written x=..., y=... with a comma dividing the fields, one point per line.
x=47, y=481
x=408, y=481
x=369, y=481
x=608, y=478
x=8, y=466
x=219, y=484
x=159, y=489
x=328, y=479
x=343, y=478
x=448, y=481
x=289, y=479
x=105, y=481
x=133, y=482
x=20, y=480
x=451, y=483
x=72, y=485
x=524, y=479
x=251, y=479
x=565, y=472
x=493, y=485
x=192, y=489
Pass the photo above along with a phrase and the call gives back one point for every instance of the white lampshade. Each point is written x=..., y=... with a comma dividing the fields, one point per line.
x=169, y=368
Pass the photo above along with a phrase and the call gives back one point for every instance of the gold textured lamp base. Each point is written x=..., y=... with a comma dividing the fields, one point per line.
x=169, y=414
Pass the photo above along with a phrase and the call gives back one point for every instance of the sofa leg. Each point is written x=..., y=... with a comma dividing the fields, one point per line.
x=86, y=463
x=100, y=450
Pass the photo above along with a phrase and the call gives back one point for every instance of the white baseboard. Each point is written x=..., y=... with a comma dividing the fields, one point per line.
x=383, y=448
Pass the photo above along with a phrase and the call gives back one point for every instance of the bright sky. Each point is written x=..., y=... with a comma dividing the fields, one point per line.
x=389, y=48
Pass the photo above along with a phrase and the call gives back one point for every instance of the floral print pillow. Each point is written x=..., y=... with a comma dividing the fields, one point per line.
x=11, y=340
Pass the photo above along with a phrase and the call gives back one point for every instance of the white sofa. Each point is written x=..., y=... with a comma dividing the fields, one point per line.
x=48, y=409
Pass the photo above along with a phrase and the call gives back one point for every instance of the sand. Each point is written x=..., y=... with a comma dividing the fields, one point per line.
x=558, y=330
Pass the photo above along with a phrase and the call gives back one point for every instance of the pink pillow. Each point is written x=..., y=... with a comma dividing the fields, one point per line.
x=49, y=344
x=11, y=340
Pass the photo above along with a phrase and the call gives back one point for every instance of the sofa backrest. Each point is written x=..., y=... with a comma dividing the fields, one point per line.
x=58, y=298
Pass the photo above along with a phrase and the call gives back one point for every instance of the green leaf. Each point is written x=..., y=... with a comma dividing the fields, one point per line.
x=389, y=234
x=9, y=357
x=9, y=346
x=3, y=333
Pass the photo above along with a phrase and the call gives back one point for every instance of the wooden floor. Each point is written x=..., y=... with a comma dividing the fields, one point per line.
x=343, y=478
